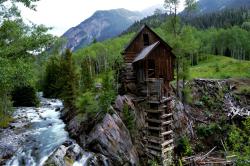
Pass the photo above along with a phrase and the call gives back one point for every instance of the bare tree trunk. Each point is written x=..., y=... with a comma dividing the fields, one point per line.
x=177, y=77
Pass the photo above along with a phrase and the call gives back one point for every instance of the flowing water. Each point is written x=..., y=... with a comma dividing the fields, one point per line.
x=43, y=131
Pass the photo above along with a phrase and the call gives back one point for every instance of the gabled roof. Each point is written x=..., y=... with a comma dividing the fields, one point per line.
x=146, y=51
x=139, y=32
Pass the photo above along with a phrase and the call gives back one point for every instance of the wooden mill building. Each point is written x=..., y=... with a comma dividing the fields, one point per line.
x=149, y=68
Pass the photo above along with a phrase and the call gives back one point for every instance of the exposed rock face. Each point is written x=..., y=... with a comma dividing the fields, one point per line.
x=109, y=140
x=112, y=139
x=66, y=154
x=102, y=25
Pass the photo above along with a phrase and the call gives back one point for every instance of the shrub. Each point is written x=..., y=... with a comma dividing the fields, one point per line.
x=5, y=110
x=207, y=130
x=238, y=143
x=183, y=147
x=129, y=119
x=87, y=103
x=61, y=79
x=244, y=90
x=24, y=97
x=107, y=94
x=153, y=163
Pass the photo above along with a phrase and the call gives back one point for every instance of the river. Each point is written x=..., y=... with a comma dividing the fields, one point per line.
x=35, y=134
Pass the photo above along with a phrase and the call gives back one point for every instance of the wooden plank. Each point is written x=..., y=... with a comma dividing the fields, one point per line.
x=154, y=121
x=158, y=148
x=155, y=111
x=166, y=99
x=167, y=122
x=164, y=106
x=167, y=149
x=154, y=102
x=154, y=128
x=166, y=115
x=154, y=153
x=167, y=133
x=153, y=139
x=167, y=142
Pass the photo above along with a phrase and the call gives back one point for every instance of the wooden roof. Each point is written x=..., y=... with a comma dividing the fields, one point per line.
x=146, y=51
x=139, y=32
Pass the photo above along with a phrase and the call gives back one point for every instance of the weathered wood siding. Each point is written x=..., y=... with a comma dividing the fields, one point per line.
x=164, y=63
x=138, y=44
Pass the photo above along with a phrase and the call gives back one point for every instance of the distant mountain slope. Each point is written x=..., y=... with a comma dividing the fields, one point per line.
x=100, y=26
x=209, y=6
x=210, y=13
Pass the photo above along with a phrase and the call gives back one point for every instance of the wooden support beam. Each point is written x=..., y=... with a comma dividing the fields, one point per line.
x=167, y=133
x=167, y=149
x=166, y=115
x=166, y=99
x=167, y=142
x=154, y=152
x=154, y=120
x=154, y=128
x=153, y=139
x=167, y=122
x=157, y=148
x=154, y=102
x=155, y=111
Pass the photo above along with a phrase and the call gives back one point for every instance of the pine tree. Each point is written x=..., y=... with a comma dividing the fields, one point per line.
x=69, y=79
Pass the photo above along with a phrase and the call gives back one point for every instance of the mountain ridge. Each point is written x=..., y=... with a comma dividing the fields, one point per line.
x=103, y=24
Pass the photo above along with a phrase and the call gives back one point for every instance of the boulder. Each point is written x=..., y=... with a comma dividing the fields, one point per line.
x=112, y=139
x=66, y=154
x=57, y=158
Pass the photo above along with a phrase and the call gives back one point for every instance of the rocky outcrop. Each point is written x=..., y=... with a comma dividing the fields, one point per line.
x=112, y=139
x=67, y=154
x=108, y=139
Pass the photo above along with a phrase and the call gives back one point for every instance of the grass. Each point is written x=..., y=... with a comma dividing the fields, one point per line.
x=245, y=90
x=4, y=122
x=221, y=67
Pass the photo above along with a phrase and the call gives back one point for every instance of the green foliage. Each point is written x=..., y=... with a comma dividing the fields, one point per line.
x=13, y=74
x=87, y=103
x=239, y=142
x=52, y=80
x=5, y=120
x=86, y=78
x=108, y=92
x=5, y=110
x=129, y=119
x=221, y=19
x=245, y=90
x=246, y=26
x=70, y=80
x=184, y=147
x=228, y=68
x=24, y=97
x=93, y=101
x=153, y=163
x=187, y=95
x=61, y=79
x=208, y=130
x=19, y=40
x=19, y=43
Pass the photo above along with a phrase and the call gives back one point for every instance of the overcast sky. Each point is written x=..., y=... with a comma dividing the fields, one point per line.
x=64, y=14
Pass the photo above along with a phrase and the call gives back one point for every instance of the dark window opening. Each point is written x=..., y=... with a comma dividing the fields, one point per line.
x=151, y=68
x=146, y=39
